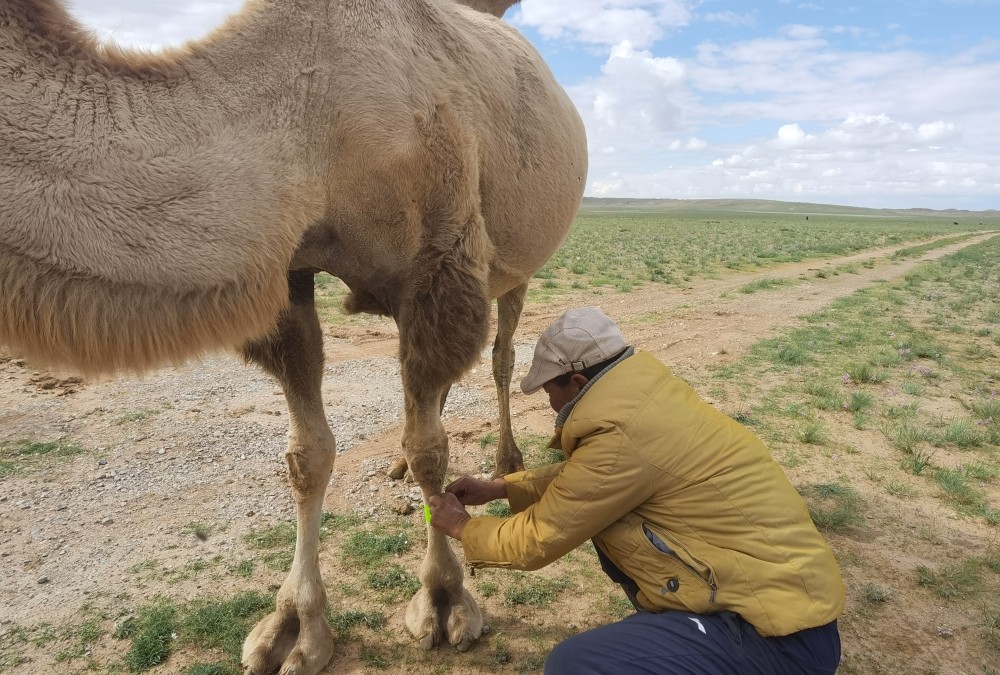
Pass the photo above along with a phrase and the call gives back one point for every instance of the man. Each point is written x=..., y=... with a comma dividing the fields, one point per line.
x=687, y=511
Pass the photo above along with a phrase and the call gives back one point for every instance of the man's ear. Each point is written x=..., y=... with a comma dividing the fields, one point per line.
x=579, y=379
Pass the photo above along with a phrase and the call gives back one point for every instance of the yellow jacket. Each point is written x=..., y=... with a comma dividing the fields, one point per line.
x=645, y=453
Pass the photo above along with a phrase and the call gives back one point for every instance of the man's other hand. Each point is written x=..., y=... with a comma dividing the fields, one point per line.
x=448, y=515
x=473, y=492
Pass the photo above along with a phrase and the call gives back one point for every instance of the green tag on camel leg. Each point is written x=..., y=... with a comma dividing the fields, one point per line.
x=427, y=514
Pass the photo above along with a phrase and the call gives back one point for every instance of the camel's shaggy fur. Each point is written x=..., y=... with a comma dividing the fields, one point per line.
x=157, y=206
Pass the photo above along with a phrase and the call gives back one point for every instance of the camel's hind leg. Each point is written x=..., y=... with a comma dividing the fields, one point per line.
x=509, y=306
x=296, y=638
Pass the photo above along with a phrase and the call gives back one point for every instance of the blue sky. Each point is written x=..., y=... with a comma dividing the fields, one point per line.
x=884, y=104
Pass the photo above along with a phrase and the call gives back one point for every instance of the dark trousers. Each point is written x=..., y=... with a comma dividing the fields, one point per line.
x=681, y=643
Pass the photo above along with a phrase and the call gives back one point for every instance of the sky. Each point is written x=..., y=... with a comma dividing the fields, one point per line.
x=878, y=103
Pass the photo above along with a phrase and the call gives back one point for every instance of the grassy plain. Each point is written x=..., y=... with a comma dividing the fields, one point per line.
x=883, y=409
x=625, y=247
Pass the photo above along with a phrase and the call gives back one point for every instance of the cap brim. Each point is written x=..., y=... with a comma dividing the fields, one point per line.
x=539, y=373
x=531, y=383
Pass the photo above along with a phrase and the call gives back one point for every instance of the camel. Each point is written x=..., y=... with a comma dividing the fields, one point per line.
x=158, y=206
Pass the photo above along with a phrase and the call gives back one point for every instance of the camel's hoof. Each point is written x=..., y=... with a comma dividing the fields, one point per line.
x=288, y=643
x=507, y=469
x=462, y=618
x=399, y=469
x=509, y=460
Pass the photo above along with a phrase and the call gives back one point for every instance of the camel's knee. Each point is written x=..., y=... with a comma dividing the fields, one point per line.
x=309, y=468
x=426, y=455
x=503, y=363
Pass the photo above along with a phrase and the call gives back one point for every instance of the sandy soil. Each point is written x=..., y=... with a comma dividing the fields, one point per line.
x=204, y=444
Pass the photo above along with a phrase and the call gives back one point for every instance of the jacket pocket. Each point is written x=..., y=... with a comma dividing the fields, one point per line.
x=689, y=570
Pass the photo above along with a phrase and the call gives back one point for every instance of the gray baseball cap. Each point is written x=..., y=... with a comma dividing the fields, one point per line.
x=576, y=340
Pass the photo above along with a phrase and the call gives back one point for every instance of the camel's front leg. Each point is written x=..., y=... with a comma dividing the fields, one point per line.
x=400, y=469
x=442, y=608
x=296, y=637
x=509, y=306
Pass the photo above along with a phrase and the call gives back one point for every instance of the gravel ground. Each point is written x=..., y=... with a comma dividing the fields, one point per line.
x=204, y=443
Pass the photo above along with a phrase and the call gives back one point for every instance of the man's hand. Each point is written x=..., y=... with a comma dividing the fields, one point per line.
x=448, y=515
x=473, y=492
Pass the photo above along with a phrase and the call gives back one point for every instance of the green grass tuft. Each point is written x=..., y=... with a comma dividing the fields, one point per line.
x=917, y=460
x=988, y=410
x=763, y=285
x=25, y=455
x=952, y=581
x=813, y=433
x=151, y=633
x=535, y=591
x=860, y=401
x=866, y=373
x=792, y=355
x=371, y=548
x=280, y=535
x=961, y=433
x=833, y=506
x=345, y=622
x=399, y=582
x=876, y=593
x=225, y=624
x=499, y=509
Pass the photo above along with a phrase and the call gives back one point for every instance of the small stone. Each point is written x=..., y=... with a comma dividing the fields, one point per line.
x=43, y=580
x=403, y=507
x=946, y=631
x=102, y=462
x=105, y=521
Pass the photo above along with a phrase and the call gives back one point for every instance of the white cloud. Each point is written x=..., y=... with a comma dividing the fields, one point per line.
x=881, y=132
x=731, y=18
x=863, y=157
x=853, y=31
x=152, y=23
x=937, y=131
x=692, y=143
x=632, y=99
x=797, y=31
x=604, y=22
x=791, y=135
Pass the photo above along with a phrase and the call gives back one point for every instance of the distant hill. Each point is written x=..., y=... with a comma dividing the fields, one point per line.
x=771, y=206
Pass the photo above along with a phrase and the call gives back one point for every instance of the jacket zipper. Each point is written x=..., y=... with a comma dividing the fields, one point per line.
x=712, y=586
